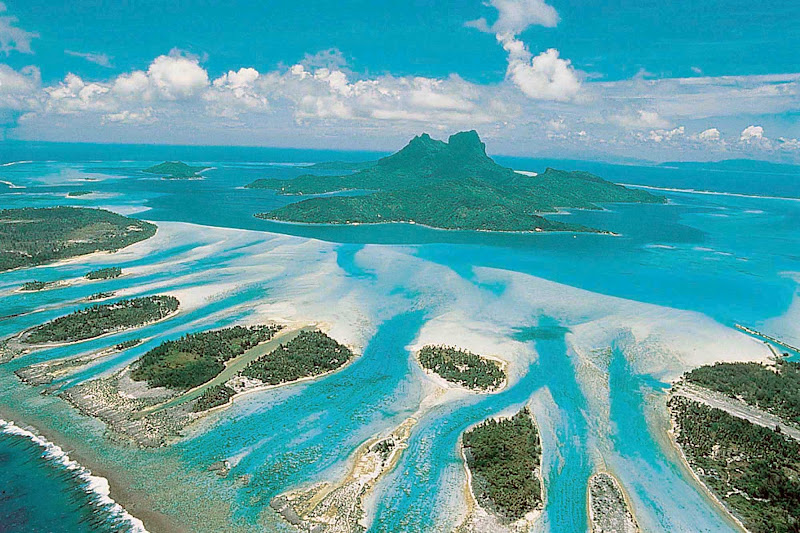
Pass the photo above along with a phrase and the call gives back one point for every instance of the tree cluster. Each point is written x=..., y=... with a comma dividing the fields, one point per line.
x=100, y=319
x=775, y=391
x=754, y=469
x=197, y=358
x=462, y=367
x=502, y=456
x=35, y=235
x=309, y=354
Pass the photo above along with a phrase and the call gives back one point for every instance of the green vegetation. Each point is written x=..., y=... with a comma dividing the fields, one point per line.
x=197, y=358
x=175, y=170
x=342, y=166
x=33, y=236
x=309, y=354
x=213, y=397
x=127, y=344
x=101, y=319
x=755, y=470
x=78, y=193
x=462, y=367
x=35, y=285
x=105, y=273
x=503, y=456
x=776, y=391
x=452, y=185
x=101, y=296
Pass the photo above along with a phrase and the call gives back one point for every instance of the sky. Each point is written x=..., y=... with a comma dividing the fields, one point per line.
x=616, y=79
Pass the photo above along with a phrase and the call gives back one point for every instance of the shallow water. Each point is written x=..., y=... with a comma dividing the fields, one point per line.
x=731, y=259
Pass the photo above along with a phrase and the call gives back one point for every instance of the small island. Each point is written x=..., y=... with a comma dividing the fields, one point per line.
x=163, y=391
x=102, y=319
x=104, y=273
x=75, y=194
x=608, y=509
x=737, y=425
x=503, y=460
x=34, y=286
x=175, y=170
x=463, y=368
x=309, y=354
x=36, y=235
x=339, y=506
x=447, y=185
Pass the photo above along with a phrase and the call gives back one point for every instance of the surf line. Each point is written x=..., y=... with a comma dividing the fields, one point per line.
x=97, y=487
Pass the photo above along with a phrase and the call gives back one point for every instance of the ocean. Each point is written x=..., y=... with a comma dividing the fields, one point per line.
x=594, y=327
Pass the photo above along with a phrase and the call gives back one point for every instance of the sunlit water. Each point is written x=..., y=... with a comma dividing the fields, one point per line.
x=730, y=258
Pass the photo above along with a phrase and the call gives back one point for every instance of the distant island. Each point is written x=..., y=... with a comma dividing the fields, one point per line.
x=448, y=185
x=175, y=170
x=36, y=235
x=104, y=273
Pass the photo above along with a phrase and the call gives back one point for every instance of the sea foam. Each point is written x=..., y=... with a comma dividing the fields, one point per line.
x=97, y=487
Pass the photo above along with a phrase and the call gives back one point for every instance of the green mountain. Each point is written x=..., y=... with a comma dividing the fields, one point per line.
x=451, y=185
x=175, y=170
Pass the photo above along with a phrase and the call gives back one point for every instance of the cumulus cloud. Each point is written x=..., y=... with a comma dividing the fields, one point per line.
x=98, y=59
x=332, y=58
x=709, y=135
x=13, y=37
x=177, y=76
x=640, y=119
x=19, y=89
x=752, y=134
x=666, y=135
x=543, y=77
x=514, y=16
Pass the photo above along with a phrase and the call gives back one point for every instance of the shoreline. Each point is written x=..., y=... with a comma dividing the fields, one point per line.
x=131, y=501
x=684, y=462
x=626, y=509
x=97, y=487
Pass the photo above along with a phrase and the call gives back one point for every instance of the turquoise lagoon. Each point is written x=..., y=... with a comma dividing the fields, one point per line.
x=592, y=325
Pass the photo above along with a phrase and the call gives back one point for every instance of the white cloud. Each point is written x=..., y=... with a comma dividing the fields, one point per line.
x=752, y=134
x=709, y=135
x=19, y=90
x=177, y=76
x=514, y=16
x=640, y=119
x=544, y=77
x=99, y=59
x=12, y=37
x=145, y=116
x=666, y=135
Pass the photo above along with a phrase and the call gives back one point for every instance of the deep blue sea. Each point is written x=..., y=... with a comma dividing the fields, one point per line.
x=595, y=325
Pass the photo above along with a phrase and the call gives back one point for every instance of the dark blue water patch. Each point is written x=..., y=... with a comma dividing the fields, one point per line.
x=38, y=496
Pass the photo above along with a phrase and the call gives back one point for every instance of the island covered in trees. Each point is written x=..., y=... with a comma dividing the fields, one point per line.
x=504, y=459
x=449, y=185
x=175, y=170
x=309, y=354
x=774, y=389
x=102, y=319
x=33, y=236
x=755, y=470
x=104, y=273
x=738, y=425
x=462, y=367
x=196, y=358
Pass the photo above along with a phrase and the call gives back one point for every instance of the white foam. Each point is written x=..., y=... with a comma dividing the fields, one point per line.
x=11, y=185
x=97, y=486
x=14, y=163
